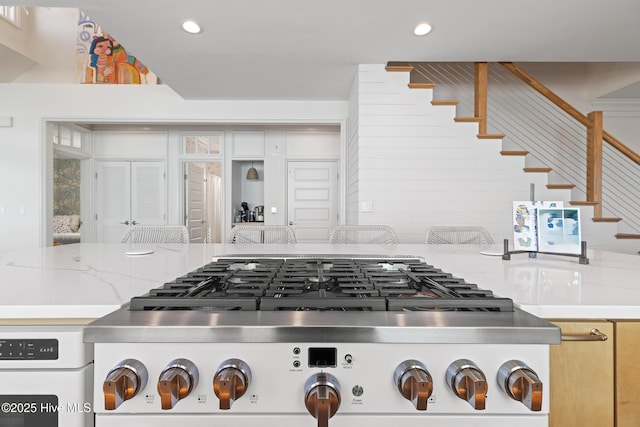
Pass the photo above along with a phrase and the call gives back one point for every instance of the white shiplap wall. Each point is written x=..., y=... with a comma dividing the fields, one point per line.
x=418, y=168
x=352, y=156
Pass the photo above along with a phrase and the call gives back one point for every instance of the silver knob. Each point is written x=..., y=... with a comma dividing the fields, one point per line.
x=521, y=383
x=290, y=222
x=125, y=223
x=134, y=223
x=322, y=397
x=231, y=381
x=123, y=382
x=414, y=383
x=468, y=382
x=176, y=381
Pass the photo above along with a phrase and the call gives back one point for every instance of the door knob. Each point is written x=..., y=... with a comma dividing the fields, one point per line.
x=125, y=223
x=134, y=222
x=290, y=222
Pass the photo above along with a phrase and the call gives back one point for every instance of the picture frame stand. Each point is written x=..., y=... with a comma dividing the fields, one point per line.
x=582, y=256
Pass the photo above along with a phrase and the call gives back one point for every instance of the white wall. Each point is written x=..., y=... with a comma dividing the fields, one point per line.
x=622, y=120
x=22, y=146
x=351, y=155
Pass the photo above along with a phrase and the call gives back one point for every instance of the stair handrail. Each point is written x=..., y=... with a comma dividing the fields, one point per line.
x=568, y=108
x=593, y=122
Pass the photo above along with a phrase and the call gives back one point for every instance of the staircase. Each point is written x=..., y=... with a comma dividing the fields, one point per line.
x=520, y=140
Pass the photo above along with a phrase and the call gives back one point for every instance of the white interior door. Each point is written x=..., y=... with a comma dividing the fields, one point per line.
x=196, y=204
x=312, y=199
x=148, y=194
x=113, y=201
x=128, y=193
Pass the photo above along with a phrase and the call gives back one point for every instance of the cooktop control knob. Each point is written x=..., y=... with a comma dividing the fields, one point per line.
x=176, y=381
x=467, y=382
x=414, y=383
x=322, y=397
x=123, y=382
x=521, y=383
x=231, y=381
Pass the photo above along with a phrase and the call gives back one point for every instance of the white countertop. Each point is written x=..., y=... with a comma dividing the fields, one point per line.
x=91, y=280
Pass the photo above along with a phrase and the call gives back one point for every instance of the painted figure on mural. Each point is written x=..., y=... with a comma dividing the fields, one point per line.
x=110, y=63
x=102, y=66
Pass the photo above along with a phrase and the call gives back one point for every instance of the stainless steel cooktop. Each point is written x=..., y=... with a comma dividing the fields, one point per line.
x=257, y=298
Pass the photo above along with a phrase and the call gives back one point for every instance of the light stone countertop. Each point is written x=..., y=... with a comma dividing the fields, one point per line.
x=90, y=280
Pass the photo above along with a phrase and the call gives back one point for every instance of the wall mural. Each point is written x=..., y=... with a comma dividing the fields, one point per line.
x=100, y=59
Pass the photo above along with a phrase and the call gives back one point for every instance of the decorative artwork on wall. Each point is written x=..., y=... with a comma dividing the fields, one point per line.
x=100, y=59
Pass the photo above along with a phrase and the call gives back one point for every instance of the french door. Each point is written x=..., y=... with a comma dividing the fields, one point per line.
x=128, y=193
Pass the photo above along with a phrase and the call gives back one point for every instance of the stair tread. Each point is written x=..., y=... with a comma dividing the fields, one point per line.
x=444, y=102
x=560, y=186
x=422, y=85
x=514, y=152
x=584, y=202
x=627, y=236
x=401, y=68
x=467, y=119
x=605, y=219
x=536, y=170
x=490, y=136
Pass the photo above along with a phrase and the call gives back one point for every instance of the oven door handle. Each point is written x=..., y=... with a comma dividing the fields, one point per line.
x=594, y=335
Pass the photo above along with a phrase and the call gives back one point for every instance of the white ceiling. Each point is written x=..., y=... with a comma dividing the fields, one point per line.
x=299, y=49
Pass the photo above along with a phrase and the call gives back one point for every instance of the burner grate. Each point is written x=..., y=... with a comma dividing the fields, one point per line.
x=320, y=284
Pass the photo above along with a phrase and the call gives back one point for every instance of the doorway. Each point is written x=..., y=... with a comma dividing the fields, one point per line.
x=68, y=185
x=67, y=180
x=203, y=201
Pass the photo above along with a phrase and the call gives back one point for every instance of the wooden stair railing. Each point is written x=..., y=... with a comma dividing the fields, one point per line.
x=595, y=136
x=593, y=123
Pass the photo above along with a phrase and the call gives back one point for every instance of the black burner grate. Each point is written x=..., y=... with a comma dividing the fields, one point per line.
x=320, y=284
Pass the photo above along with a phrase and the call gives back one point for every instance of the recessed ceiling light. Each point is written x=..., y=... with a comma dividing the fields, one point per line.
x=191, y=27
x=422, y=29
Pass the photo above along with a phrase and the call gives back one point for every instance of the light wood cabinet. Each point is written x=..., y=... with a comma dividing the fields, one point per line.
x=582, y=377
x=627, y=373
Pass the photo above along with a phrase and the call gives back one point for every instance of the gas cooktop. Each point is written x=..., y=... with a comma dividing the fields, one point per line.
x=320, y=284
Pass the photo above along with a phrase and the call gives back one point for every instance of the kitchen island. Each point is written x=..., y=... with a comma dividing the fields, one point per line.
x=74, y=284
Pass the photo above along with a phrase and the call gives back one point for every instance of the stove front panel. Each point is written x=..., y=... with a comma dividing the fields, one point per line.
x=279, y=371
x=339, y=420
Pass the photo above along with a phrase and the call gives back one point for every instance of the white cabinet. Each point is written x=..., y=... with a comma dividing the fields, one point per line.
x=128, y=193
x=247, y=144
